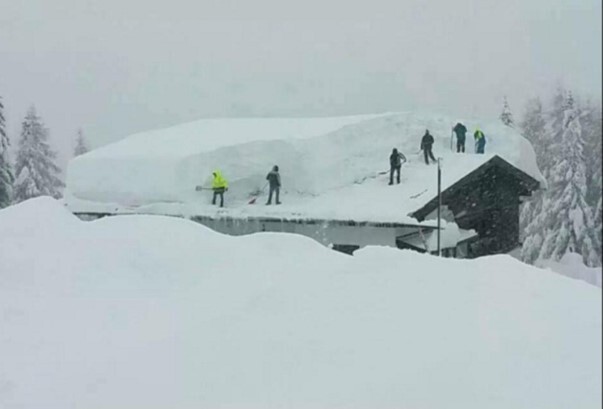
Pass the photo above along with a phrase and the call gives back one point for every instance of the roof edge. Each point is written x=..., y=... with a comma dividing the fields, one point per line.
x=496, y=160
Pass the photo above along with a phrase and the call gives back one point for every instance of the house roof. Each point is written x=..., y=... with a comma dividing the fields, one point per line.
x=526, y=183
x=339, y=174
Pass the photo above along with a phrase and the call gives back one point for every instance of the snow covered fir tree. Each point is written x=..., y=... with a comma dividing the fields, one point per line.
x=81, y=146
x=534, y=129
x=36, y=173
x=593, y=121
x=6, y=175
x=560, y=219
x=506, y=116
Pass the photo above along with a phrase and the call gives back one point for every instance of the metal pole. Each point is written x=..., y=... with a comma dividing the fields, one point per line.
x=439, y=204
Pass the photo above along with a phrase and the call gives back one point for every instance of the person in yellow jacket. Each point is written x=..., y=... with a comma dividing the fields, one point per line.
x=480, y=140
x=219, y=185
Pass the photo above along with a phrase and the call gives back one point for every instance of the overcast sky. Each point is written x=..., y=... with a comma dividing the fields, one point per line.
x=114, y=67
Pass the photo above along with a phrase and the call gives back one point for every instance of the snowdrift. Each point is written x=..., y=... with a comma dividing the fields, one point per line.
x=158, y=312
x=572, y=265
x=329, y=166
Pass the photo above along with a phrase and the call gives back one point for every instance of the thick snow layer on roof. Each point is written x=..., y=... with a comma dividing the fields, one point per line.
x=450, y=236
x=155, y=312
x=207, y=135
x=329, y=166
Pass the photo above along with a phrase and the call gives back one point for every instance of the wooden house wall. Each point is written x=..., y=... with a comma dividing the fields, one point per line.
x=489, y=205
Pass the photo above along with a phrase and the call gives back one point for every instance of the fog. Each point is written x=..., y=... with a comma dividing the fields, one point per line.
x=117, y=67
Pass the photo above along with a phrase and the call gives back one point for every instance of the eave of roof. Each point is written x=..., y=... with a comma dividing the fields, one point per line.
x=264, y=219
x=527, y=181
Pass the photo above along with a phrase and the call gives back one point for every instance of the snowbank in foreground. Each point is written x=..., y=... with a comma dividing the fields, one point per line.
x=571, y=265
x=156, y=312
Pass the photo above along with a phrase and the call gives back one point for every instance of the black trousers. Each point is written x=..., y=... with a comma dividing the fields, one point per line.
x=276, y=190
x=218, y=192
x=460, y=145
x=393, y=169
x=428, y=154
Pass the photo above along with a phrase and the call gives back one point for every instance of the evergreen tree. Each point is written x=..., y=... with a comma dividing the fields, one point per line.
x=593, y=137
x=6, y=175
x=533, y=127
x=506, y=117
x=36, y=172
x=594, y=165
x=565, y=221
x=555, y=125
x=598, y=222
x=81, y=146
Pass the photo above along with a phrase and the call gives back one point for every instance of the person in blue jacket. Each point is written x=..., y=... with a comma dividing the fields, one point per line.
x=460, y=130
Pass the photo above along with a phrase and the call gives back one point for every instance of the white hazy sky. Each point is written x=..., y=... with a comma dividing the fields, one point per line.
x=114, y=67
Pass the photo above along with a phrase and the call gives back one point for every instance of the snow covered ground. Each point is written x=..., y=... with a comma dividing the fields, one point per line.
x=571, y=265
x=329, y=166
x=156, y=312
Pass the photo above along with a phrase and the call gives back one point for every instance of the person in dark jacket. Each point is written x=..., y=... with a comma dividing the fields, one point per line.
x=274, y=181
x=461, y=132
x=480, y=141
x=426, y=146
x=395, y=164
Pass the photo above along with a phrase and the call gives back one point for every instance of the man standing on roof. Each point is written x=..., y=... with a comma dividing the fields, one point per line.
x=395, y=163
x=219, y=185
x=274, y=180
x=480, y=140
x=426, y=145
x=461, y=131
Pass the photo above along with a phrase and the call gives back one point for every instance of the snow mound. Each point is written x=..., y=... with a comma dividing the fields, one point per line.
x=572, y=265
x=320, y=165
x=156, y=312
x=40, y=215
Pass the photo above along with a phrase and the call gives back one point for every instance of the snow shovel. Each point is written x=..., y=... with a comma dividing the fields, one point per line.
x=257, y=194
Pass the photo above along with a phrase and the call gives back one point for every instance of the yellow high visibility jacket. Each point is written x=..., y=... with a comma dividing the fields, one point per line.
x=219, y=181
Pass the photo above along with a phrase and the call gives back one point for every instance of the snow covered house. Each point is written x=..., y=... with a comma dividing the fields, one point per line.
x=335, y=181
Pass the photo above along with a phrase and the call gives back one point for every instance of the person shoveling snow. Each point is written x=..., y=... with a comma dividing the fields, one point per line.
x=274, y=181
x=219, y=185
x=395, y=164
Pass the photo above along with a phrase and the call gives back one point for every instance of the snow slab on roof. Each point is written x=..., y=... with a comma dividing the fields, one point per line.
x=144, y=312
x=451, y=235
x=331, y=168
x=207, y=135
